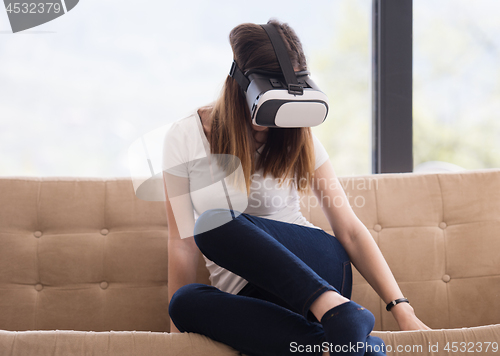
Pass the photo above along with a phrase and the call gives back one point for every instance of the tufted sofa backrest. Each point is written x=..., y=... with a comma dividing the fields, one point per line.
x=82, y=254
x=86, y=254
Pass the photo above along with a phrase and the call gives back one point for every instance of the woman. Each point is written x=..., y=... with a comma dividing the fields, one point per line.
x=280, y=285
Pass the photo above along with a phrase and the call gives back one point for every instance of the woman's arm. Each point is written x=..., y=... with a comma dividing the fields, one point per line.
x=183, y=254
x=360, y=245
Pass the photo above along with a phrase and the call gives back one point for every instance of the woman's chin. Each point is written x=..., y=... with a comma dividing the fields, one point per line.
x=260, y=128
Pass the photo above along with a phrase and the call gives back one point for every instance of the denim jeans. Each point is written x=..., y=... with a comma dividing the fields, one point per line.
x=287, y=267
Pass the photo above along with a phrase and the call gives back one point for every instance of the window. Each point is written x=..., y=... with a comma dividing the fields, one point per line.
x=456, y=85
x=78, y=91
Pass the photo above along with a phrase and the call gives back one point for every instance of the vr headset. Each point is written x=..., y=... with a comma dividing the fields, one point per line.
x=281, y=99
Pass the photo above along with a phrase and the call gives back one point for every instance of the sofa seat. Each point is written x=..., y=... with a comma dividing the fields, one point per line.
x=141, y=343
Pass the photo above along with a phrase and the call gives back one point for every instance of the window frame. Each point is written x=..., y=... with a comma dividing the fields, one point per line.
x=392, y=72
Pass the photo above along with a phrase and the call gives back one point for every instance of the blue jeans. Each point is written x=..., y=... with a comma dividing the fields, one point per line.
x=287, y=267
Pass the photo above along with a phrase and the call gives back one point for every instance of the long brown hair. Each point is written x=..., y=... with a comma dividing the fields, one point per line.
x=288, y=153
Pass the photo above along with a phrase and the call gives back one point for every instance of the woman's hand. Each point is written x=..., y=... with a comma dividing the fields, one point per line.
x=406, y=318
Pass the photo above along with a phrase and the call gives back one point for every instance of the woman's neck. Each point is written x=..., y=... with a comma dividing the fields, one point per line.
x=204, y=114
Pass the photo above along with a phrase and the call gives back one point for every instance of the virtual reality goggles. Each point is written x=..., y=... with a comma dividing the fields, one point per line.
x=281, y=99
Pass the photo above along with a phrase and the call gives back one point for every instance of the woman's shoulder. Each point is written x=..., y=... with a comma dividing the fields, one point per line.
x=185, y=134
x=187, y=122
x=180, y=132
x=320, y=153
x=179, y=142
x=199, y=118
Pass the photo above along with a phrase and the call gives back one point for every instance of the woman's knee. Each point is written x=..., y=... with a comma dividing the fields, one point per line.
x=209, y=230
x=184, y=300
x=212, y=219
x=190, y=305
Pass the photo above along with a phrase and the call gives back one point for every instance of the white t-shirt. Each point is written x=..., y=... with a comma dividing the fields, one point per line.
x=184, y=149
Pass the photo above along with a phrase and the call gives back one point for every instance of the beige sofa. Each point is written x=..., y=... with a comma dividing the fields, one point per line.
x=83, y=265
